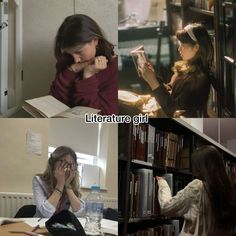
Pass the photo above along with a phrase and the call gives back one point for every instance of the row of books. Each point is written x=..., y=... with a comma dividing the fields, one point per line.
x=160, y=230
x=158, y=147
x=204, y=4
x=143, y=195
x=143, y=200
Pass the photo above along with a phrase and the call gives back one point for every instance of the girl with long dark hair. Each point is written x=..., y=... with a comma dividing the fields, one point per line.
x=189, y=87
x=87, y=67
x=57, y=188
x=208, y=203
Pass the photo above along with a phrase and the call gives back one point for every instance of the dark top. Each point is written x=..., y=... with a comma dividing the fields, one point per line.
x=189, y=93
x=98, y=91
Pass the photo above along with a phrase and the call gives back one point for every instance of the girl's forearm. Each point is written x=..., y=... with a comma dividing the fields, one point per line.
x=74, y=200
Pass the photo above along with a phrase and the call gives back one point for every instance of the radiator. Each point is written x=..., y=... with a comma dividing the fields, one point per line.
x=10, y=203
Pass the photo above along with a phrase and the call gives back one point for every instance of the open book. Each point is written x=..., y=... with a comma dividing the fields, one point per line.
x=48, y=107
x=139, y=58
x=146, y=103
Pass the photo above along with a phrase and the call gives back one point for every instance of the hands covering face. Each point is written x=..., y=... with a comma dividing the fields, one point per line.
x=64, y=173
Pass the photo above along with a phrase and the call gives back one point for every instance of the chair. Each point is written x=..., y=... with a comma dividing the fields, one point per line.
x=110, y=214
x=26, y=211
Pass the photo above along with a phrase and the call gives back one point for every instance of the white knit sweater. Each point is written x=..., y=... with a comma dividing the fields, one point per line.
x=188, y=203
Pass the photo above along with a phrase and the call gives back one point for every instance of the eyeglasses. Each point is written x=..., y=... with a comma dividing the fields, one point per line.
x=72, y=166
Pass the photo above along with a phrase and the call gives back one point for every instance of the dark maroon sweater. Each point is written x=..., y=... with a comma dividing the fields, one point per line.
x=98, y=91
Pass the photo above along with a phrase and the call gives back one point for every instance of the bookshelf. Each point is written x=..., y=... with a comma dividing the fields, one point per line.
x=219, y=17
x=226, y=22
x=132, y=165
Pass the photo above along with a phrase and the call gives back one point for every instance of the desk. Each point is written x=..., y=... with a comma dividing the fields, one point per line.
x=108, y=226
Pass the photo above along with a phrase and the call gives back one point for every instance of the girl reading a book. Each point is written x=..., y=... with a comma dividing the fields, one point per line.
x=208, y=203
x=87, y=67
x=57, y=188
x=189, y=87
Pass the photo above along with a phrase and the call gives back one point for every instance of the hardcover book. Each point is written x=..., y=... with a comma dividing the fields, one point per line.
x=139, y=58
x=49, y=107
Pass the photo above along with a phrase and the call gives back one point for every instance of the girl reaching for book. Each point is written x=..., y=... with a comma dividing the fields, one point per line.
x=189, y=87
x=87, y=67
x=208, y=203
x=57, y=188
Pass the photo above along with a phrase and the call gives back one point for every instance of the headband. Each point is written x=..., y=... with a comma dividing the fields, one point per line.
x=189, y=30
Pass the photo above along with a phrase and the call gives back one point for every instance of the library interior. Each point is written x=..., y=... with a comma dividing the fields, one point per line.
x=163, y=148
x=153, y=25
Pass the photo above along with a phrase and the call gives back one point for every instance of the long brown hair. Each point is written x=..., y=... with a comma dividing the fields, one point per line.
x=81, y=29
x=48, y=175
x=208, y=166
x=203, y=60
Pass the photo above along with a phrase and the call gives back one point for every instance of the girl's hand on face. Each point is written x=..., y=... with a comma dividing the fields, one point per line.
x=100, y=63
x=71, y=176
x=59, y=174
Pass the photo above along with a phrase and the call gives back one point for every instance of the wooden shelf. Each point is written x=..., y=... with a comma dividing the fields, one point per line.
x=229, y=4
x=201, y=11
x=165, y=169
x=174, y=4
x=160, y=219
x=142, y=163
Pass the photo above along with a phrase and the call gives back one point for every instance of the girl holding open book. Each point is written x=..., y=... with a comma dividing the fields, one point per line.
x=189, y=87
x=208, y=203
x=87, y=67
x=57, y=188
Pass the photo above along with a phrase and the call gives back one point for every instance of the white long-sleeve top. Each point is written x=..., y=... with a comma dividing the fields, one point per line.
x=44, y=208
x=189, y=203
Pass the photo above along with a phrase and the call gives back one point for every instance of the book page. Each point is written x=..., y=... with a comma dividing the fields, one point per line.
x=128, y=97
x=32, y=110
x=48, y=105
x=78, y=112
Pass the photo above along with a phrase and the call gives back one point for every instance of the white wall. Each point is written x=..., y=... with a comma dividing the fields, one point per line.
x=41, y=19
x=195, y=122
x=17, y=167
x=75, y=133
